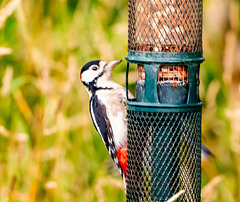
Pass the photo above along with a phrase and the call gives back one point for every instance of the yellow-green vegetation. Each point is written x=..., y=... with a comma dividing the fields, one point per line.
x=49, y=149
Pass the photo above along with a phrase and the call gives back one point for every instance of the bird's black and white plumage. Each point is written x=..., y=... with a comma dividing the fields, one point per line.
x=107, y=109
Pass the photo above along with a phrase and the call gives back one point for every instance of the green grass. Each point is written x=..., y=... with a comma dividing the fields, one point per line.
x=49, y=149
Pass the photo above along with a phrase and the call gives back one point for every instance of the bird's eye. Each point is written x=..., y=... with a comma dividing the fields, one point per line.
x=94, y=68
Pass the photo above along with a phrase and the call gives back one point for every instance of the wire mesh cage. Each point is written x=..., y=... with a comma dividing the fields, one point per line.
x=165, y=26
x=173, y=74
x=160, y=165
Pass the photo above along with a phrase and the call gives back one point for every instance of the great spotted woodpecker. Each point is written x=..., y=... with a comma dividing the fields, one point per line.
x=108, y=110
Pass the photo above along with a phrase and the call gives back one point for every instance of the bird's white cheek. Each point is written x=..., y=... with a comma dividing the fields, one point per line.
x=87, y=76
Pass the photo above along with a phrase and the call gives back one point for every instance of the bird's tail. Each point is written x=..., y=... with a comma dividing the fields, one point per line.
x=206, y=153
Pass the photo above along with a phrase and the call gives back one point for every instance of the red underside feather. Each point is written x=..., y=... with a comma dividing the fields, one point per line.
x=122, y=157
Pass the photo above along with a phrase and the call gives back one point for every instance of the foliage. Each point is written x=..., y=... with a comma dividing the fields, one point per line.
x=49, y=149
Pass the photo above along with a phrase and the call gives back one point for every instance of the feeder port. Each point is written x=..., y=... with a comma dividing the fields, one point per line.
x=172, y=84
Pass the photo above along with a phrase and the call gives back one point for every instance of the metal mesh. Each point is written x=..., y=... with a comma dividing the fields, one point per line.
x=165, y=25
x=164, y=156
x=173, y=74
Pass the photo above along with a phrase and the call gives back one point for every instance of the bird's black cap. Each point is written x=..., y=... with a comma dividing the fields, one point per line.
x=89, y=64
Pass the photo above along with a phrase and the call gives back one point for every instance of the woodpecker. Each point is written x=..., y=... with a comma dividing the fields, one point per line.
x=108, y=110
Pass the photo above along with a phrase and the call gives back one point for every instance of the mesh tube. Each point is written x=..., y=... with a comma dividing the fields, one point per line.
x=165, y=25
x=164, y=155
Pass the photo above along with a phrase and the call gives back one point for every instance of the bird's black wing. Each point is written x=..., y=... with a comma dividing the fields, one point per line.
x=103, y=126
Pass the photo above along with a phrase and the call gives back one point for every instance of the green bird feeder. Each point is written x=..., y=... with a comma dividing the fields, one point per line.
x=164, y=121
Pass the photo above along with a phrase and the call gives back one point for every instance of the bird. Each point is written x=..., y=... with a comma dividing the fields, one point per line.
x=108, y=109
x=107, y=106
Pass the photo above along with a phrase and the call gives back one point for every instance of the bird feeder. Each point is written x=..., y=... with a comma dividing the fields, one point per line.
x=164, y=121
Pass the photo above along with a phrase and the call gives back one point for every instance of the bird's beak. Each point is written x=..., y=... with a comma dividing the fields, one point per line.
x=113, y=64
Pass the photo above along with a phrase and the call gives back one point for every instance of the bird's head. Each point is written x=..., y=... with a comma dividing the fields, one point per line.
x=96, y=69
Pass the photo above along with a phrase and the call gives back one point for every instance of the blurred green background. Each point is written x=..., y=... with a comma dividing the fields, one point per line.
x=49, y=149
